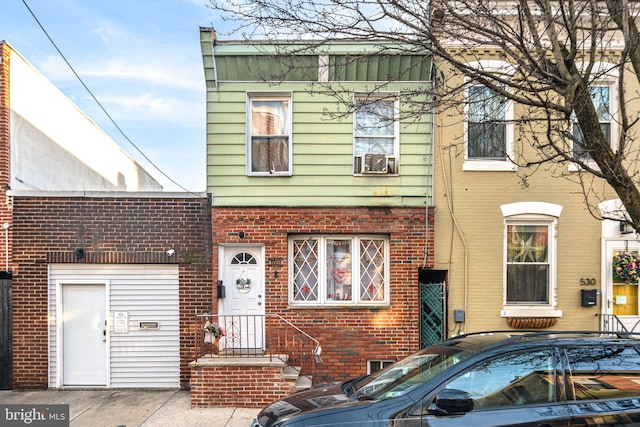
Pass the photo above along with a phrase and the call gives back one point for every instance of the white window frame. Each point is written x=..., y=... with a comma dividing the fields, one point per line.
x=609, y=79
x=384, y=363
x=269, y=96
x=533, y=213
x=472, y=164
x=393, y=158
x=323, y=300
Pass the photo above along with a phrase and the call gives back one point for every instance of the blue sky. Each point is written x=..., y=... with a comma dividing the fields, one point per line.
x=142, y=61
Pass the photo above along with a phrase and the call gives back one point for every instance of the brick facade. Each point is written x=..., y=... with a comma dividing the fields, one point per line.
x=5, y=141
x=254, y=384
x=128, y=229
x=349, y=336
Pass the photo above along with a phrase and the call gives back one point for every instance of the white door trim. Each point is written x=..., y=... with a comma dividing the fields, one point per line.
x=222, y=268
x=242, y=332
x=607, y=299
x=59, y=327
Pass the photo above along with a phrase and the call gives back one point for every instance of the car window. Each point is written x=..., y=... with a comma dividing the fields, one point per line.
x=513, y=379
x=406, y=375
x=604, y=372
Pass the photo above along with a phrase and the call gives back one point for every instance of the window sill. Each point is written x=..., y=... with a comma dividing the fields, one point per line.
x=489, y=166
x=530, y=312
x=333, y=305
x=269, y=175
x=574, y=167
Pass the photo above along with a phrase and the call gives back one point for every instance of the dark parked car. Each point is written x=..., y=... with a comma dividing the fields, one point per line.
x=484, y=379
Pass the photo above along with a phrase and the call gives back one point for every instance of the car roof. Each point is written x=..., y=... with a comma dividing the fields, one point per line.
x=482, y=341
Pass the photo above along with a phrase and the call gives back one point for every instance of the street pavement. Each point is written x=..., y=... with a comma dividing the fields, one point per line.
x=131, y=408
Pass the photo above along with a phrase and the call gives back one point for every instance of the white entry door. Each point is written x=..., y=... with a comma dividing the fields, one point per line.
x=243, y=307
x=621, y=297
x=84, y=339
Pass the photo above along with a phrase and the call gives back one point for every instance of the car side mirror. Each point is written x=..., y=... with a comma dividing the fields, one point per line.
x=450, y=402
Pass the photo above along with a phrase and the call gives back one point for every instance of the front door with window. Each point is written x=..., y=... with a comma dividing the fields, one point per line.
x=620, y=293
x=242, y=310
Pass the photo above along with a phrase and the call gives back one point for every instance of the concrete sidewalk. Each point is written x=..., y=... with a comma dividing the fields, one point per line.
x=132, y=408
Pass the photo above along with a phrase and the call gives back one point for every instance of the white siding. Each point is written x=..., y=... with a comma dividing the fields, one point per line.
x=148, y=293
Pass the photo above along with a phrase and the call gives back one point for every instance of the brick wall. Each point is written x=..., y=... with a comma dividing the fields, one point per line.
x=5, y=109
x=110, y=230
x=349, y=336
x=251, y=385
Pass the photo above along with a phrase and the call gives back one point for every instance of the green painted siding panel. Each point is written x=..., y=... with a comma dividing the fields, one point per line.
x=252, y=68
x=322, y=143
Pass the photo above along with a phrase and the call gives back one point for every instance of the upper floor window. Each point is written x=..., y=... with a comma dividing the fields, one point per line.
x=604, y=94
x=488, y=125
x=339, y=270
x=375, y=134
x=602, y=101
x=269, y=146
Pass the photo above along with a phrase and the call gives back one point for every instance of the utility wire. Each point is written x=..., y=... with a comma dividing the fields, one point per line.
x=98, y=102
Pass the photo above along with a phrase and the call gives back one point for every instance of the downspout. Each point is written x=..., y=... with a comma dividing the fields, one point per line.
x=430, y=163
x=454, y=220
x=214, y=40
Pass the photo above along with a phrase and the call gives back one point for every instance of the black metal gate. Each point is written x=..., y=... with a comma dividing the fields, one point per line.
x=433, y=308
x=6, y=353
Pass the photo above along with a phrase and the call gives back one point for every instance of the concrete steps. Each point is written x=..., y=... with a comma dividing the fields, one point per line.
x=292, y=374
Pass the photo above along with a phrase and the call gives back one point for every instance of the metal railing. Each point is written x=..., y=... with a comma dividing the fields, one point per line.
x=612, y=323
x=265, y=335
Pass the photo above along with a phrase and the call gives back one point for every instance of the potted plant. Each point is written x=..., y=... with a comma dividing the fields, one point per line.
x=212, y=334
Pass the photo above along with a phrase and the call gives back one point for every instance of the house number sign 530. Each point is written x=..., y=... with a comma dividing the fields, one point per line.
x=588, y=282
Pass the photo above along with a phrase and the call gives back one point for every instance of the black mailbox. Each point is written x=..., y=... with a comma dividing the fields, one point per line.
x=588, y=297
x=221, y=290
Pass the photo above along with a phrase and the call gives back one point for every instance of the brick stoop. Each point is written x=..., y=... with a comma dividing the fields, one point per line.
x=242, y=381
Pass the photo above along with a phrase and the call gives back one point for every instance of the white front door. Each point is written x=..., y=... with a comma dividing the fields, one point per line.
x=84, y=346
x=620, y=297
x=243, y=307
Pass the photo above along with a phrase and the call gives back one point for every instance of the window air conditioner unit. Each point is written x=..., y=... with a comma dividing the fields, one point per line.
x=374, y=163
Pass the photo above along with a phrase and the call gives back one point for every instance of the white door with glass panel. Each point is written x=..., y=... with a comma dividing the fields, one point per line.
x=84, y=335
x=621, y=289
x=242, y=309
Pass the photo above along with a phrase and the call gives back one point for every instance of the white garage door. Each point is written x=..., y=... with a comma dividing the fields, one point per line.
x=142, y=332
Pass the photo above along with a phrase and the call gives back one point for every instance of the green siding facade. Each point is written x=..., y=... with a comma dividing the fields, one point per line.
x=322, y=138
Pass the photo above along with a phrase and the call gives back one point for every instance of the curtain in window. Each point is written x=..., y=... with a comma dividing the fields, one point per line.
x=375, y=127
x=269, y=140
x=339, y=270
x=486, y=126
x=527, y=264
